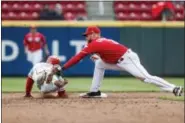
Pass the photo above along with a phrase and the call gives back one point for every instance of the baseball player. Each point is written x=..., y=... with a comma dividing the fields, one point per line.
x=115, y=56
x=47, y=78
x=34, y=42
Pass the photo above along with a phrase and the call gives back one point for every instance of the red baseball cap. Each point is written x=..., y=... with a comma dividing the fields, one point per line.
x=91, y=29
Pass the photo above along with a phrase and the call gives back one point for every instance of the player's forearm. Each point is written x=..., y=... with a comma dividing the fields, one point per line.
x=25, y=49
x=74, y=60
x=46, y=50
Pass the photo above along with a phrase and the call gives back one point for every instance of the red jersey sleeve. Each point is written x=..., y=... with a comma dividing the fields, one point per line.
x=75, y=59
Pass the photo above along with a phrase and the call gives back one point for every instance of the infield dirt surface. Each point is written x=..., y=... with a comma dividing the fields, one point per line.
x=116, y=108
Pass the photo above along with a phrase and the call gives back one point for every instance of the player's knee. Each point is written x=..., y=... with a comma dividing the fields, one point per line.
x=99, y=64
x=43, y=90
x=48, y=88
x=60, y=84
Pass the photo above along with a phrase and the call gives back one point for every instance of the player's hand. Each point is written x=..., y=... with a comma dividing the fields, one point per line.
x=62, y=69
x=25, y=51
x=65, y=81
x=59, y=73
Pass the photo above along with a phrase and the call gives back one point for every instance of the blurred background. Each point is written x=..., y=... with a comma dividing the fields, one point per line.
x=153, y=29
x=93, y=10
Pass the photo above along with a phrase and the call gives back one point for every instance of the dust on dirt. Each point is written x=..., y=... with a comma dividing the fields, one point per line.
x=117, y=108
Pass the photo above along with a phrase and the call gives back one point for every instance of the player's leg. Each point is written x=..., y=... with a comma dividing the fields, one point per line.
x=52, y=86
x=98, y=76
x=59, y=81
x=99, y=70
x=28, y=87
x=61, y=92
x=48, y=88
x=30, y=57
x=37, y=56
x=56, y=85
x=131, y=63
x=96, y=81
x=29, y=84
x=61, y=87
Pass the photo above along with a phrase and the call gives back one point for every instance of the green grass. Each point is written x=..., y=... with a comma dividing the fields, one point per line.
x=172, y=98
x=110, y=84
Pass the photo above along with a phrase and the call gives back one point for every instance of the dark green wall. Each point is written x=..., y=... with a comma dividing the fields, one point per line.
x=161, y=50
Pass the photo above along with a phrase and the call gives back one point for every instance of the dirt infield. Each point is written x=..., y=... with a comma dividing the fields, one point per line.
x=117, y=108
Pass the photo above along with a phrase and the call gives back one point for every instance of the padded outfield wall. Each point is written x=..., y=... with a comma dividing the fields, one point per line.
x=160, y=45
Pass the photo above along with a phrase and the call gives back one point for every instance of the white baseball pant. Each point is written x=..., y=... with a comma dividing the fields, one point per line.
x=51, y=87
x=130, y=63
x=35, y=56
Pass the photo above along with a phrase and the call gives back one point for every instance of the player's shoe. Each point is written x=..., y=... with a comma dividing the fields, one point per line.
x=62, y=94
x=92, y=94
x=178, y=91
x=28, y=96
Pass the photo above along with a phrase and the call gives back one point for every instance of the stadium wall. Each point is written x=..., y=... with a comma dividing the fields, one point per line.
x=160, y=45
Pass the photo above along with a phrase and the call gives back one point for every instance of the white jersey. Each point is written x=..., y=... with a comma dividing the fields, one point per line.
x=40, y=72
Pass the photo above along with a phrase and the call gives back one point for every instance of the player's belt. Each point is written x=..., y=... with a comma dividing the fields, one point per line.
x=121, y=59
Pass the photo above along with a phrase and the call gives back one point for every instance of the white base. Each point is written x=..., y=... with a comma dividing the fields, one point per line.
x=103, y=95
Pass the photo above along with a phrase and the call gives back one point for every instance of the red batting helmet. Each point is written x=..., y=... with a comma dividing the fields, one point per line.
x=53, y=60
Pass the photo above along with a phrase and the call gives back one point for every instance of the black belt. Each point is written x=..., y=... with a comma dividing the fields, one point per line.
x=120, y=60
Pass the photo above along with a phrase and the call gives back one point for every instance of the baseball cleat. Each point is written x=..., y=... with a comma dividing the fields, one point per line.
x=178, y=91
x=62, y=94
x=97, y=94
x=28, y=96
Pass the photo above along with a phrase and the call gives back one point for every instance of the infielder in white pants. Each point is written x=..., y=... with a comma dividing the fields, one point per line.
x=129, y=62
x=115, y=56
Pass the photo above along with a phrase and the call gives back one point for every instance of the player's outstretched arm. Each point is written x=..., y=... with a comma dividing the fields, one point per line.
x=29, y=85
